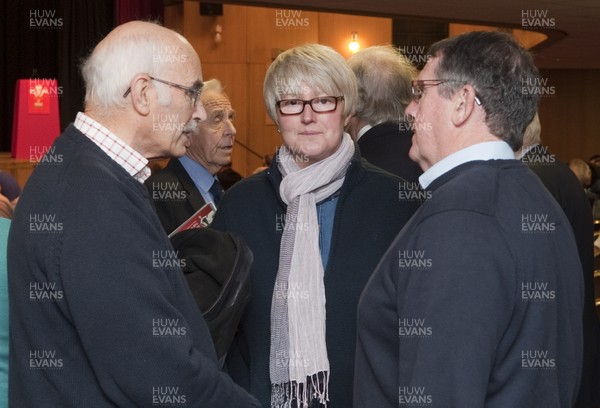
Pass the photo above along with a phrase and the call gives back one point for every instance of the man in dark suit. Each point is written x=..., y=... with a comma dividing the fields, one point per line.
x=188, y=183
x=380, y=127
x=564, y=186
x=478, y=301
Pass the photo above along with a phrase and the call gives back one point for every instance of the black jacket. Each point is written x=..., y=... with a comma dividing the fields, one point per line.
x=386, y=145
x=478, y=301
x=174, y=194
x=564, y=186
x=368, y=216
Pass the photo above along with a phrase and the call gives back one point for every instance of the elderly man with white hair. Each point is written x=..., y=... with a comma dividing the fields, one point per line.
x=100, y=313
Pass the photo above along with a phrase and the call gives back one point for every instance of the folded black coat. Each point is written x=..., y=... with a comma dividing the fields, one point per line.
x=217, y=268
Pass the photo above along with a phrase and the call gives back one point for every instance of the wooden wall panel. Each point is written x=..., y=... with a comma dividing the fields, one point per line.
x=271, y=30
x=173, y=17
x=570, y=118
x=335, y=30
x=234, y=79
x=199, y=30
x=264, y=138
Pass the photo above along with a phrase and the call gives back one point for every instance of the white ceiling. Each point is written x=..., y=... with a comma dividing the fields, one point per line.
x=572, y=25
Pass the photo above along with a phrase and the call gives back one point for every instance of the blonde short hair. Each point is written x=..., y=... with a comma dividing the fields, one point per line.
x=317, y=67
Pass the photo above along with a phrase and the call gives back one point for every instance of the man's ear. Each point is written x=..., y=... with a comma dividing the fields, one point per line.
x=464, y=105
x=140, y=94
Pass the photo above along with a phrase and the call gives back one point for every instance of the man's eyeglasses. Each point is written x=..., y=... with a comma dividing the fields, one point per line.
x=418, y=88
x=321, y=104
x=192, y=92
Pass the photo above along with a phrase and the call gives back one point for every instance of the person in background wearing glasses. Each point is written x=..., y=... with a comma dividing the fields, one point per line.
x=478, y=301
x=317, y=220
x=187, y=183
x=100, y=312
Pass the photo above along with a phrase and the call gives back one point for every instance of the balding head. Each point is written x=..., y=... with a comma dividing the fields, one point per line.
x=384, y=83
x=142, y=81
x=130, y=49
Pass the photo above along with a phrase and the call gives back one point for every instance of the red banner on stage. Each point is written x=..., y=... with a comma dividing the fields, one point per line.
x=36, y=117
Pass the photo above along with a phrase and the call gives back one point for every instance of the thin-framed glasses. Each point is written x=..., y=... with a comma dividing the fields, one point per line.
x=320, y=104
x=193, y=92
x=418, y=88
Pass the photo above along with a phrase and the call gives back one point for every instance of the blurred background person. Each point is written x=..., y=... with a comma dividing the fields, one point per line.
x=587, y=174
x=6, y=206
x=228, y=176
x=187, y=183
x=582, y=171
x=566, y=189
x=379, y=126
x=266, y=164
x=6, y=209
x=317, y=220
x=9, y=186
x=595, y=160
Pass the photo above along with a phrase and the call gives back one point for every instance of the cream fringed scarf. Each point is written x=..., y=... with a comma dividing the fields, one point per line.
x=299, y=366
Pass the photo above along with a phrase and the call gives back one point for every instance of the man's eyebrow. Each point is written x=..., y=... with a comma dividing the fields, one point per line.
x=216, y=112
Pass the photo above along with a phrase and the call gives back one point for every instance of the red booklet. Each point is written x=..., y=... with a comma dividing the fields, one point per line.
x=201, y=218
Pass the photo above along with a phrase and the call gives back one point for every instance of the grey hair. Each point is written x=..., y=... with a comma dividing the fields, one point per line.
x=533, y=132
x=317, y=67
x=384, y=83
x=497, y=67
x=213, y=85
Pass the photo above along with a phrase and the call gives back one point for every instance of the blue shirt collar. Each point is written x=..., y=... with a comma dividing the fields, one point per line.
x=482, y=151
x=199, y=175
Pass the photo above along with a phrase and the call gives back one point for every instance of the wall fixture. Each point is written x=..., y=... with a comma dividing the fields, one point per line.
x=354, y=45
x=218, y=30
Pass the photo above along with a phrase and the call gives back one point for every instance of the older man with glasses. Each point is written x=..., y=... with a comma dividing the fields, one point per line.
x=100, y=312
x=478, y=301
x=189, y=182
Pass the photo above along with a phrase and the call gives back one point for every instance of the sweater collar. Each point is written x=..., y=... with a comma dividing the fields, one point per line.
x=481, y=151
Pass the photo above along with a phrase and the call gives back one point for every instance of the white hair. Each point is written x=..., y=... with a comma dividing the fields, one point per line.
x=113, y=64
x=213, y=85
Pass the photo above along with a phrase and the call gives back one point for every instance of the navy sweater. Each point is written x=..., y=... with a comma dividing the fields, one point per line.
x=371, y=210
x=101, y=315
x=478, y=302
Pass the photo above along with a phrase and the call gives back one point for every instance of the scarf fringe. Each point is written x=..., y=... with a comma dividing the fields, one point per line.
x=298, y=324
x=300, y=395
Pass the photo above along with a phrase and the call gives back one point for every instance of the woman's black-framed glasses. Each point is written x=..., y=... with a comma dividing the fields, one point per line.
x=193, y=92
x=418, y=88
x=320, y=104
